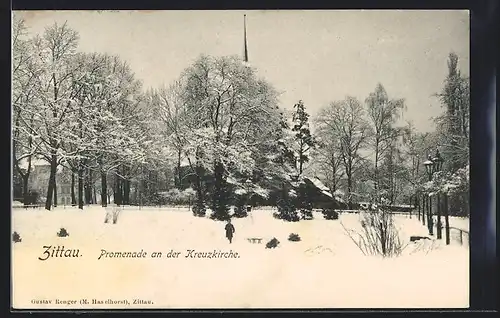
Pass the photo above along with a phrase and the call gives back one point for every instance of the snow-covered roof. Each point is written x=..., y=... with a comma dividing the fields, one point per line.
x=37, y=162
x=185, y=162
x=318, y=184
x=23, y=163
x=261, y=191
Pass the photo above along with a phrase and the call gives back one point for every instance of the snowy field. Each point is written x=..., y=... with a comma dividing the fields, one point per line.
x=324, y=270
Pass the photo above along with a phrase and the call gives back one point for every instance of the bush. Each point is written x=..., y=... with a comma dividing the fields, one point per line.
x=305, y=202
x=378, y=236
x=294, y=237
x=16, y=238
x=272, y=243
x=199, y=209
x=330, y=214
x=116, y=213
x=62, y=233
x=178, y=197
x=286, y=207
x=240, y=210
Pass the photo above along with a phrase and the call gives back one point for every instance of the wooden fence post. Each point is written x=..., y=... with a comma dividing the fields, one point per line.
x=439, y=225
x=430, y=220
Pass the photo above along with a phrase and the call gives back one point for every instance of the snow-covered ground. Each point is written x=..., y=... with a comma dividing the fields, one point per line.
x=325, y=269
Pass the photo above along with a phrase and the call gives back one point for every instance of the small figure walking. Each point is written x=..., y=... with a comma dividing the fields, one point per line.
x=229, y=231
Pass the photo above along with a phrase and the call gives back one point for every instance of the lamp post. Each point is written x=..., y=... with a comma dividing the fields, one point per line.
x=429, y=169
x=438, y=164
x=248, y=186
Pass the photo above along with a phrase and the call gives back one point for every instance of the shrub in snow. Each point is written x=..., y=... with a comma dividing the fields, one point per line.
x=286, y=208
x=16, y=238
x=199, y=209
x=272, y=243
x=378, y=235
x=154, y=198
x=177, y=197
x=305, y=202
x=62, y=232
x=116, y=213
x=112, y=213
x=294, y=237
x=240, y=209
x=330, y=214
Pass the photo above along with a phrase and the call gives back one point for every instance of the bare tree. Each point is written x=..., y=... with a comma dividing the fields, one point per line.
x=171, y=117
x=328, y=154
x=383, y=113
x=346, y=119
x=52, y=54
x=24, y=72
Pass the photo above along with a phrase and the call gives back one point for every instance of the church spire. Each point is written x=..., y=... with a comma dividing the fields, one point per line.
x=245, y=52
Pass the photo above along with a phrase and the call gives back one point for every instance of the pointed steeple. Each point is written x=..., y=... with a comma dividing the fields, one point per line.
x=245, y=52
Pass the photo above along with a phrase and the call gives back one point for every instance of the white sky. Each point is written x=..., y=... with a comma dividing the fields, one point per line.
x=316, y=56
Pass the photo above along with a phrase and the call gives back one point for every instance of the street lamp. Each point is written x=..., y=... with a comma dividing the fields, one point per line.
x=438, y=164
x=429, y=164
x=248, y=186
x=438, y=161
x=432, y=165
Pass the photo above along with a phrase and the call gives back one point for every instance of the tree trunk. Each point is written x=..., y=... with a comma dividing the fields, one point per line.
x=80, y=186
x=104, y=190
x=199, y=185
x=349, y=189
x=417, y=203
x=73, y=197
x=178, y=184
x=377, y=199
x=26, y=197
x=118, y=191
x=219, y=199
x=136, y=197
x=88, y=194
x=91, y=186
x=301, y=162
x=55, y=190
x=52, y=181
x=126, y=191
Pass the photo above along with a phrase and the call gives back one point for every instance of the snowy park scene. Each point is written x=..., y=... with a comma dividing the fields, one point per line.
x=232, y=159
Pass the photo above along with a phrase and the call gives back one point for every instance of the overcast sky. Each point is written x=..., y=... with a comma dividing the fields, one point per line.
x=316, y=56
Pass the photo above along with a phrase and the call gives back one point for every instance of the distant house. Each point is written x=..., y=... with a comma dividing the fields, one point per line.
x=39, y=180
x=321, y=196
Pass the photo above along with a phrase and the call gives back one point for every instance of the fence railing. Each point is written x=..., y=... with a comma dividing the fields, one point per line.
x=463, y=235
